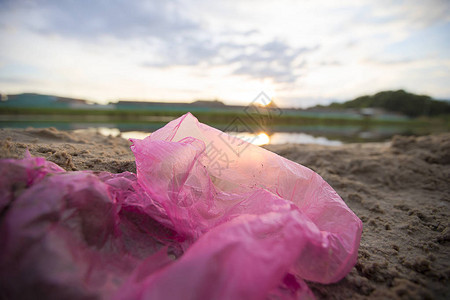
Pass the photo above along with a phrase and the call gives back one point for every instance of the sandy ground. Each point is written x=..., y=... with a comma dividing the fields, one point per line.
x=400, y=190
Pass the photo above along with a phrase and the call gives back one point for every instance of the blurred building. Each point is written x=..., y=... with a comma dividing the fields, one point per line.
x=31, y=100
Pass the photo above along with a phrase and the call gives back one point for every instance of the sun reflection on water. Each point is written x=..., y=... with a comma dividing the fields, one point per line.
x=261, y=139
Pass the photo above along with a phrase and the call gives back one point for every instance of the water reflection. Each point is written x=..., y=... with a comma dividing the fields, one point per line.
x=262, y=139
x=259, y=139
x=106, y=131
x=315, y=134
x=301, y=138
x=284, y=138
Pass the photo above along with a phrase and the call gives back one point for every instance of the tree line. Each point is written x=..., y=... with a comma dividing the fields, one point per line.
x=409, y=104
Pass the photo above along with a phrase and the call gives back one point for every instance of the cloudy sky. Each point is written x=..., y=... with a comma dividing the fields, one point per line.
x=302, y=52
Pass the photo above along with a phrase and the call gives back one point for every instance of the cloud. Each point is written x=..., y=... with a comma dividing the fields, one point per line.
x=115, y=18
x=418, y=12
x=176, y=39
x=392, y=62
x=275, y=59
x=18, y=80
x=413, y=12
x=333, y=63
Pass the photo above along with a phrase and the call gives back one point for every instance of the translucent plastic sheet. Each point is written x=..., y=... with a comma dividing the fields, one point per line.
x=206, y=217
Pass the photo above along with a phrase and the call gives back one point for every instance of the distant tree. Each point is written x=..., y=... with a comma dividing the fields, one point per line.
x=411, y=105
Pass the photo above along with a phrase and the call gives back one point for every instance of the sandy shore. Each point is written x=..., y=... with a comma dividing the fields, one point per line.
x=400, y=190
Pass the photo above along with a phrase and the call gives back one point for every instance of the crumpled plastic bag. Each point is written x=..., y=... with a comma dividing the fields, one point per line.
x=207, y=216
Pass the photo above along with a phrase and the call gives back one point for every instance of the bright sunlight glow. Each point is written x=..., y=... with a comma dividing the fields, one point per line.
x=261, y=139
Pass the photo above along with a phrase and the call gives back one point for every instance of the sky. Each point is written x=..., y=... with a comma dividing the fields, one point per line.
x=300, y=52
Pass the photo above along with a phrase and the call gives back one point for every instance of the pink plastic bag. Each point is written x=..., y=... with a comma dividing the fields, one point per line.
x=207, y=217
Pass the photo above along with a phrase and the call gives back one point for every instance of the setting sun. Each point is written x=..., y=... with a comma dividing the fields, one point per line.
x=263, y=102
